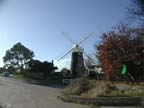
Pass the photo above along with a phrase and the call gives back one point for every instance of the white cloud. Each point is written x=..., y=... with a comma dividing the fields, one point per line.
x=62, y=63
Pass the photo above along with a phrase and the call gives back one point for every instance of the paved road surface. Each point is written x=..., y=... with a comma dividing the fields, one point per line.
x=15, y=94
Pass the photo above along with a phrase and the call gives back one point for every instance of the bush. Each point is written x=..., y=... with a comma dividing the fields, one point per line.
x=78, y=87
x=109, y=89
x=122, y=46
x=130, y=92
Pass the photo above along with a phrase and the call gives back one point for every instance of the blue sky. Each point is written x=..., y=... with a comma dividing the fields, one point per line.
x=38, y=24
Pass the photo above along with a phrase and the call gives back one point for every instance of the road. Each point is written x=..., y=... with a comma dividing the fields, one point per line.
x=16, y=94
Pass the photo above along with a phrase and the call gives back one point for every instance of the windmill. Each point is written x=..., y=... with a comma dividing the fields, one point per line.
x=77, y=60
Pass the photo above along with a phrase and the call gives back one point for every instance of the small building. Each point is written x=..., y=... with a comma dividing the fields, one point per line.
x=95, y=72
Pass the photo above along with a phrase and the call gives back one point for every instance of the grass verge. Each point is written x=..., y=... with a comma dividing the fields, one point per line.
x=18, y=77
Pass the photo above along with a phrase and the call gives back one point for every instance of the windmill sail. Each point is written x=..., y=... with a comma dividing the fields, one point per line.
x=77, y=61
x=64, y=55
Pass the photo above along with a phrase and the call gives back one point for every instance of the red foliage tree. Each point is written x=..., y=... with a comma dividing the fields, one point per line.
x=122, y=46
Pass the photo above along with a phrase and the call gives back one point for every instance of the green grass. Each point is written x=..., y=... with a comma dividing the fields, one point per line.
x=18, y=77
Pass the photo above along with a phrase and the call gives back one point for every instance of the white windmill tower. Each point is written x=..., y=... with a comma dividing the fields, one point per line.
x=77, y=60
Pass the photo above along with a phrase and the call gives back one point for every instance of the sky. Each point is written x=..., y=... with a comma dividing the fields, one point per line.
x=38, y=25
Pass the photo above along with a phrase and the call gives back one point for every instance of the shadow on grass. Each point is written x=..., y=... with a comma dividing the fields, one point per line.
x=40, y=82
x=46, y=83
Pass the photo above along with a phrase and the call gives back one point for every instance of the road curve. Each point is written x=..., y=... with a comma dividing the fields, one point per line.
x=14, y=94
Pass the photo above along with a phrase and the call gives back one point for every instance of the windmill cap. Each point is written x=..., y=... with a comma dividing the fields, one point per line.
x=76, y=48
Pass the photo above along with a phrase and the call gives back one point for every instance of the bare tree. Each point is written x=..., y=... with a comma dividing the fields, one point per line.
x=91, y=59
x=136, y=10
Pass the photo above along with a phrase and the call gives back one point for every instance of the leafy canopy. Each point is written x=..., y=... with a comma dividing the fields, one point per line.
x=46, y=68
x=122, y=46
x=18, y=56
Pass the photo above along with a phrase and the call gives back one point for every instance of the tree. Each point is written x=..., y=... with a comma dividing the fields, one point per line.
x=11, y=69
x=136, y=10
x=90, y=60
x=66, y=73
x=17, y=57
x=122, y=46
x=46, y=68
